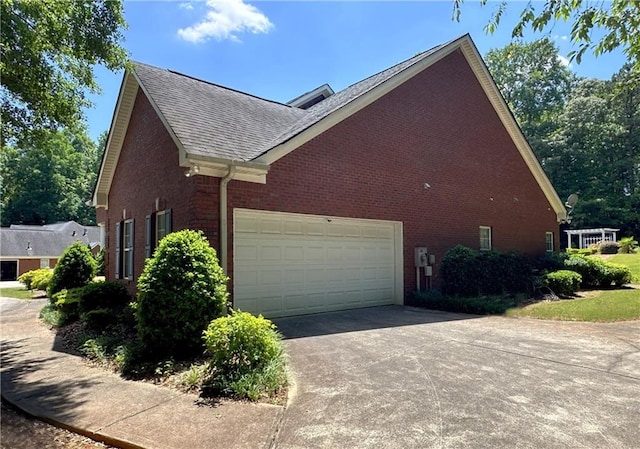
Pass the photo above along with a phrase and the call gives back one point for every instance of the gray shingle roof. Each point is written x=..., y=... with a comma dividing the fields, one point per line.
x=211, y=120
x=48, y=241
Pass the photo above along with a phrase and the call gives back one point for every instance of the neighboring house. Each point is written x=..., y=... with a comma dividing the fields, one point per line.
x=318, y=204
x=24, y=247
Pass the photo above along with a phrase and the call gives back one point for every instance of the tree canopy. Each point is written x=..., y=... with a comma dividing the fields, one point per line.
x=619, y=20
x=49, y=182
x=49, y=49
x=585, y=132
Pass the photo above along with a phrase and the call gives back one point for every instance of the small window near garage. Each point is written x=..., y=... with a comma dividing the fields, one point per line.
x=485, y=238
x=549, y=241
x=44, y=263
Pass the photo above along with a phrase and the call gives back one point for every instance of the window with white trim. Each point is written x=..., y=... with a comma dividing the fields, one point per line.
x=549, y=241
x=44, y=263
x=485, y=238
x=127, y=249
x=163, y=225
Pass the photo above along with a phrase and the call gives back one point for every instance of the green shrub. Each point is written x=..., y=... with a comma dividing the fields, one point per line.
x=551, y=262
x=563, y=282
x=470, y=273
x=478, y=305
x=245, y=354
x=616, y=274
x=66, y=302
x=100, y=263
x=75, y=268
x=582, y=251
x=458, y=272
x=628, y=245
x=110, y=295
x=608, y=247
x=36, y=279
x=181, y=289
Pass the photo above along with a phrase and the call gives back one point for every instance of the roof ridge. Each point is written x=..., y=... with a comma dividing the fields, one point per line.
x=231, y=89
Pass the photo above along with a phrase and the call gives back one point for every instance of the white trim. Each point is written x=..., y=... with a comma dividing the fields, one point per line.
x=486, y=228
x=546, y=241
x=325, y=91
x=117, y=133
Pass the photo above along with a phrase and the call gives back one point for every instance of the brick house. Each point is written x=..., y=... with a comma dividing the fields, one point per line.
x=319, y=204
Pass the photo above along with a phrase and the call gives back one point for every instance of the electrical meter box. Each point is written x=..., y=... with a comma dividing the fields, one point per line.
x=421, y=258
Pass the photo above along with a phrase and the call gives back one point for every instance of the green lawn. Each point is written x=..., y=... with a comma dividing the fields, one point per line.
x=630, y=260
x=16, y=292
x=609, y=305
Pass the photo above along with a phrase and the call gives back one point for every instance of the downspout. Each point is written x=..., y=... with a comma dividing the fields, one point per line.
x=224, y=249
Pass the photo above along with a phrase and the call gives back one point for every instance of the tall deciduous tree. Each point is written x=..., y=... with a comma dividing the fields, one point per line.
x=619, y=20
x=535, y=84
x=49, y=49
x=51, y=182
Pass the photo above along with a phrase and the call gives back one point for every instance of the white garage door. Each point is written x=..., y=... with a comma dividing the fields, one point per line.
x=292, y=264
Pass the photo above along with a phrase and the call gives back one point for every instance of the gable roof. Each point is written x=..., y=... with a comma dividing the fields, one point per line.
x=24, y=241
x=217, y=127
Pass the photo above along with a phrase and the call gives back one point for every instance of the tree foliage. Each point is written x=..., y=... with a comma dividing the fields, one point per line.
x=49, y=48
x=618, y=19
x=585, y=132
x=50, y=181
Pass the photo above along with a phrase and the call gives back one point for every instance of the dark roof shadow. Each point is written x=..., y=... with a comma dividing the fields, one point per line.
x=355, y=320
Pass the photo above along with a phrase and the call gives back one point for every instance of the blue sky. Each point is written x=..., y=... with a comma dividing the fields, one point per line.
x=281, y=49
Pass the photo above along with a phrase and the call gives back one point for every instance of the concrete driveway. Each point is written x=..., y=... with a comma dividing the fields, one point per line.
x=397, y=377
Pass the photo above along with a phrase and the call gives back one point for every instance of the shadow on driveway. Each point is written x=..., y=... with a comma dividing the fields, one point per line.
x=362, y=319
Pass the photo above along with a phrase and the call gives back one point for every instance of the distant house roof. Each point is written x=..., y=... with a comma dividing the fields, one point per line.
x=215, y=127
x=21, y=241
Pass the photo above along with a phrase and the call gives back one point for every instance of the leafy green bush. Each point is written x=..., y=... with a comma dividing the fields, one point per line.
x=616, y=274
x=100, y=263
x=628, y=245
x=111, y=295
x=458, y=272
x=470, y=273
x=608, y=247
x=551, y=262
x=67, y=303
x=181, y=289
x=582, y=251
x=244, y=352
x=36, y=279
x=478, y=305
x=41, y=279
x=75, y=268
x=563, y=282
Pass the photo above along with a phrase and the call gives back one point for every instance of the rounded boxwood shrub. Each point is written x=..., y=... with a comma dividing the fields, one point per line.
x=563, y=282
x=104, y=303
x=181, y=289
x=241, y=344
x=608, y=247
x=75, y=268
x=589, y=268
x=616, y=274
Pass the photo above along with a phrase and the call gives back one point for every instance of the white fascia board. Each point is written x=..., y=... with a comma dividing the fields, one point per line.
x=117, y=132
x=492, y=92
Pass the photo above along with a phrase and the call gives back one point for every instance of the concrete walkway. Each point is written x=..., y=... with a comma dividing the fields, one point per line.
x=59, y=388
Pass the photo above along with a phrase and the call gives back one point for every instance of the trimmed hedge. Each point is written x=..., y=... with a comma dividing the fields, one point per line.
x=479, y=305
x=103, y=303
x=466, y=272
x=181, y=289
x=608, y=247
x=563, y=282
x=596, y=272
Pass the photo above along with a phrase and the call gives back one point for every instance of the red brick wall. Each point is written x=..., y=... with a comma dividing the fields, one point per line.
x=438, y=128
x=148, y=168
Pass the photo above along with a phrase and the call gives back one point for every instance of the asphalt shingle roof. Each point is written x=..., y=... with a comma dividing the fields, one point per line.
x=49, y=240
x=211, y=120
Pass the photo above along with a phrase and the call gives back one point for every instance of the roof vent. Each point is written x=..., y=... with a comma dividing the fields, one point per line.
x=315, y=96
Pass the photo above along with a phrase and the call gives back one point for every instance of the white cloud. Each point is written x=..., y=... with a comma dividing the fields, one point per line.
x=564, y=61
x=186, y=5
x=225, y=18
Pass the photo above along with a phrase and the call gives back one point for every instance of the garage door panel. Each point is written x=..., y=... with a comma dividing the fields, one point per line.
x=298, y=264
